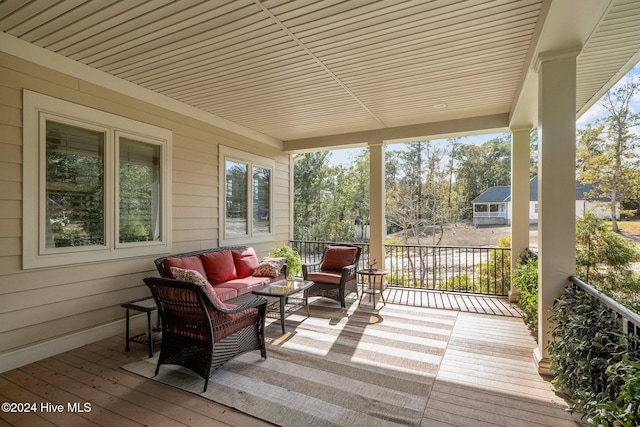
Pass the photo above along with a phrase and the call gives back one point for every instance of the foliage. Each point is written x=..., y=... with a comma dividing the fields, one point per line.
x=136, y=201
x=294, y=262
x=459, y=283
x=465, y=283
x=427, y=185
x=525, y=280
x=481, y=167
x=434, y=270
x=131, y=229
x=608, y=149
x=75, y=188
x=594, y=361
x=533, y=152
x=418, y=187
x=76, y=217
x=328, y=199
x=311, y=176
x=604, y=258
x=623, y=379
x=497, y=270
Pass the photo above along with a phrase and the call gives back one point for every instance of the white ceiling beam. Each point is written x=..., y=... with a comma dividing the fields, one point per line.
x=424, y=131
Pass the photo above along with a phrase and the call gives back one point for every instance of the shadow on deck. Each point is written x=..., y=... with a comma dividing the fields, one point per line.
x=458, y=301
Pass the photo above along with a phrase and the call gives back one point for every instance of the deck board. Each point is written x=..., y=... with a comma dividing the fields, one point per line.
x=10, y=392
x=457, y=301
x=487, y=377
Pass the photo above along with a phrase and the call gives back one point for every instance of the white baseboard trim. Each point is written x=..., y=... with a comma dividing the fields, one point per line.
x=23, y=356
x=543, y=363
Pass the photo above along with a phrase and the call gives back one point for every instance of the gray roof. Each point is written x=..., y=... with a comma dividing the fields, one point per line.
x=502, y=194
x=494, y=195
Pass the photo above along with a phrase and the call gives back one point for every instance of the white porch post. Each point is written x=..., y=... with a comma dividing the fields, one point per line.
x=520, y=153
x=556, y=185
x=377, y=231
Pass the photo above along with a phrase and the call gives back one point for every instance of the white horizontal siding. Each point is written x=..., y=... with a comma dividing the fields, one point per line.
x=41, y=304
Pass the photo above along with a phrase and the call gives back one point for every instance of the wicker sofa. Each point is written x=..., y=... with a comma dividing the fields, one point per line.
x=232, y=271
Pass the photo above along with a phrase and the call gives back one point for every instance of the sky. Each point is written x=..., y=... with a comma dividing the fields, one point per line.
x=596, y=111
x=346, y=156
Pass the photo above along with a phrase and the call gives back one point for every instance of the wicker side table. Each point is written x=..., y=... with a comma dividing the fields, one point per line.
x=371, y=276
x=146, y=305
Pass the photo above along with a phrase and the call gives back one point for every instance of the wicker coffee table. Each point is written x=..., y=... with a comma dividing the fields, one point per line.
x=286, y=304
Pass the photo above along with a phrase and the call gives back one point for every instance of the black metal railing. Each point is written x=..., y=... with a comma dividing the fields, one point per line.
x=445, y=268
x=629, y=321
x=450, y=268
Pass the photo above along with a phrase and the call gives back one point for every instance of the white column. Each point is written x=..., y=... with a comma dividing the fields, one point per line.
x=377, y=204
x=556, y=185
x=520, y=153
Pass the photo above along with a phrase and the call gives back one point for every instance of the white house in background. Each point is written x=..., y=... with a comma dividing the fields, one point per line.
x=493, y=207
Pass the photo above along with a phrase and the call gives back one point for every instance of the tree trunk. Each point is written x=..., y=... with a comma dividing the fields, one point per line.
x=614, y=213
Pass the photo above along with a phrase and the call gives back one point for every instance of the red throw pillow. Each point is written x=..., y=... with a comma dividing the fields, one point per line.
x=219, y=266
x=245, y=261
x=336, y=257
x=185, y=263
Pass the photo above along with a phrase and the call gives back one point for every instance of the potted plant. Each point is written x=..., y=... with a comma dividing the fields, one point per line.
x=294, y=262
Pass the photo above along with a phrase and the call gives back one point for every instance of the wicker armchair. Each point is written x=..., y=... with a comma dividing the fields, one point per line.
x=202, y=333
x=335, y=274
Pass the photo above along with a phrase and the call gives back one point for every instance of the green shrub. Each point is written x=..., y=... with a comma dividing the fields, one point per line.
x=294, y=262
x=459, y=283
x=594, y=362
x=494, y=276
x=525, y=280
x=623, y=410
x=603, y=258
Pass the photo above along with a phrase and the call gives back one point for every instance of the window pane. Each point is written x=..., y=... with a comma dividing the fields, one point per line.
x=261, y=202
x=75, y=186
x=236, y=198
x=139, y=188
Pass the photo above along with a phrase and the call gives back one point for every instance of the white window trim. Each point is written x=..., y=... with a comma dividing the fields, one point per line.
x=36, y=106
x=252, y=160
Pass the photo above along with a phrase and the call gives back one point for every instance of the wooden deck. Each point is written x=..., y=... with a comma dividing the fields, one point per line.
x=487, y=378
x=470, y=303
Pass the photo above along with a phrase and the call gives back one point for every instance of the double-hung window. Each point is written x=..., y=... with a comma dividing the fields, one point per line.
x=95, y=185
x=246, y=197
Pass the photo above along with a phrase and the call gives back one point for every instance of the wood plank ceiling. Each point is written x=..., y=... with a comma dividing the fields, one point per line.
x=611, y=50
x=295, y=69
